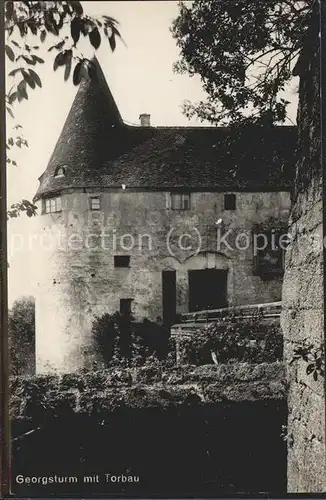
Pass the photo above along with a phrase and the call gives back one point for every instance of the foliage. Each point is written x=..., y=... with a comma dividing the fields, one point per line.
x=235, y=338
x=122, y=342
x=22, y=206
x=313, y=356
x=61, y=25
x=21, y=334
x=244, y=52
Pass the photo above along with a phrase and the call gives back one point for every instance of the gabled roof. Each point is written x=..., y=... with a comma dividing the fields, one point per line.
x=215, y=158
x=99, y=150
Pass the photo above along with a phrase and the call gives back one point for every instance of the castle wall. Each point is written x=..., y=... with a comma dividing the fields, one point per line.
x=303, y=290
x=78, y=280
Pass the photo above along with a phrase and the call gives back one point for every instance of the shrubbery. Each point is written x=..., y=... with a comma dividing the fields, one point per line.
x=121, y=341
x=234, y=338
x=21, y=336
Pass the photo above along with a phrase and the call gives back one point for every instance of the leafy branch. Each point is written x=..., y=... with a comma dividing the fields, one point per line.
x=244, y=53
x=313, y=356
x=62, y=25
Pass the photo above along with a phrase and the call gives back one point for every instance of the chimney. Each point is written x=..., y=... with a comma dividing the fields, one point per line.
x=145, y=120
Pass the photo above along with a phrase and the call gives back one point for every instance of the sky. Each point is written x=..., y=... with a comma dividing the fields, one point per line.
x=141, y=78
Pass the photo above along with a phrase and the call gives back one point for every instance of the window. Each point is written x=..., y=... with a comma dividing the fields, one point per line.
x=180, y=201
x=121, y=260
x=95, y=203
x=51, y=205
x=60, y=172
x=125, y=306
x=269, y=261
x=229, y=202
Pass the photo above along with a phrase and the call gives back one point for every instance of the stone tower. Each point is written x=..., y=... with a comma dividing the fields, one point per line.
x=71, y=275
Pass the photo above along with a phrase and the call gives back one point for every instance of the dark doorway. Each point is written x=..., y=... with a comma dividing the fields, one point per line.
x=125, y=306
x=169, y=297
x=207, y=289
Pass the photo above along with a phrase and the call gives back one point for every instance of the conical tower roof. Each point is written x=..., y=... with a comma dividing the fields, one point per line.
x=93, y=134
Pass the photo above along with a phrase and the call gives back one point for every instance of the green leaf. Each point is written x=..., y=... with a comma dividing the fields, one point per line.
x=29, y=79
x=60, y=60
x=95, y=38
x=75, y=29
x=32, y=26
x=112, y=42
x=77, y=7
x=35, y=77
x=77, y=73
x=10, y=53
x=110, y=20
x=10, y=112
x=14, y=71
x=9, y=10
x=84, y=26
x=50, y=23
x=12, y=97
x=58, y=46
x=68, y=64
x=38, y=59
x=29, y=60
x=22, y=29
x=21, y=91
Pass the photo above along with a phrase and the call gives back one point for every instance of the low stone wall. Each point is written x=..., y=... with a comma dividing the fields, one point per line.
x=183, y=431
x=40, y=397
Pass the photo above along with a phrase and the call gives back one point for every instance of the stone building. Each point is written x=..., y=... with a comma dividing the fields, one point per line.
x=155, y=221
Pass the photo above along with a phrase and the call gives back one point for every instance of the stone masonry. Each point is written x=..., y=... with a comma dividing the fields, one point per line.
x=303, y=288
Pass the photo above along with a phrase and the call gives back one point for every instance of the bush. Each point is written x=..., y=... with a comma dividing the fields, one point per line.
x=122, y=342
x=234, y=338
x=21, y=336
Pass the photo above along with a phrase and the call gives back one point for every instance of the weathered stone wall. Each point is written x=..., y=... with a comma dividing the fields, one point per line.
x=303, y=288
x=184, y=431
x=35, y=399
x=77, y=276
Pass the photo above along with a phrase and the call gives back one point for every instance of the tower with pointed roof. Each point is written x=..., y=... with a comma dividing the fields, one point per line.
x=130, y=218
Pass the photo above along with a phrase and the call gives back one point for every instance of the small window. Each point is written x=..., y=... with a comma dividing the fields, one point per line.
x=269, y=261
x=51, y=205
x=180, y=201
x=125, y=306
x=95, y=203
x=60, y=172
x=229, y=202
x=121, y=260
